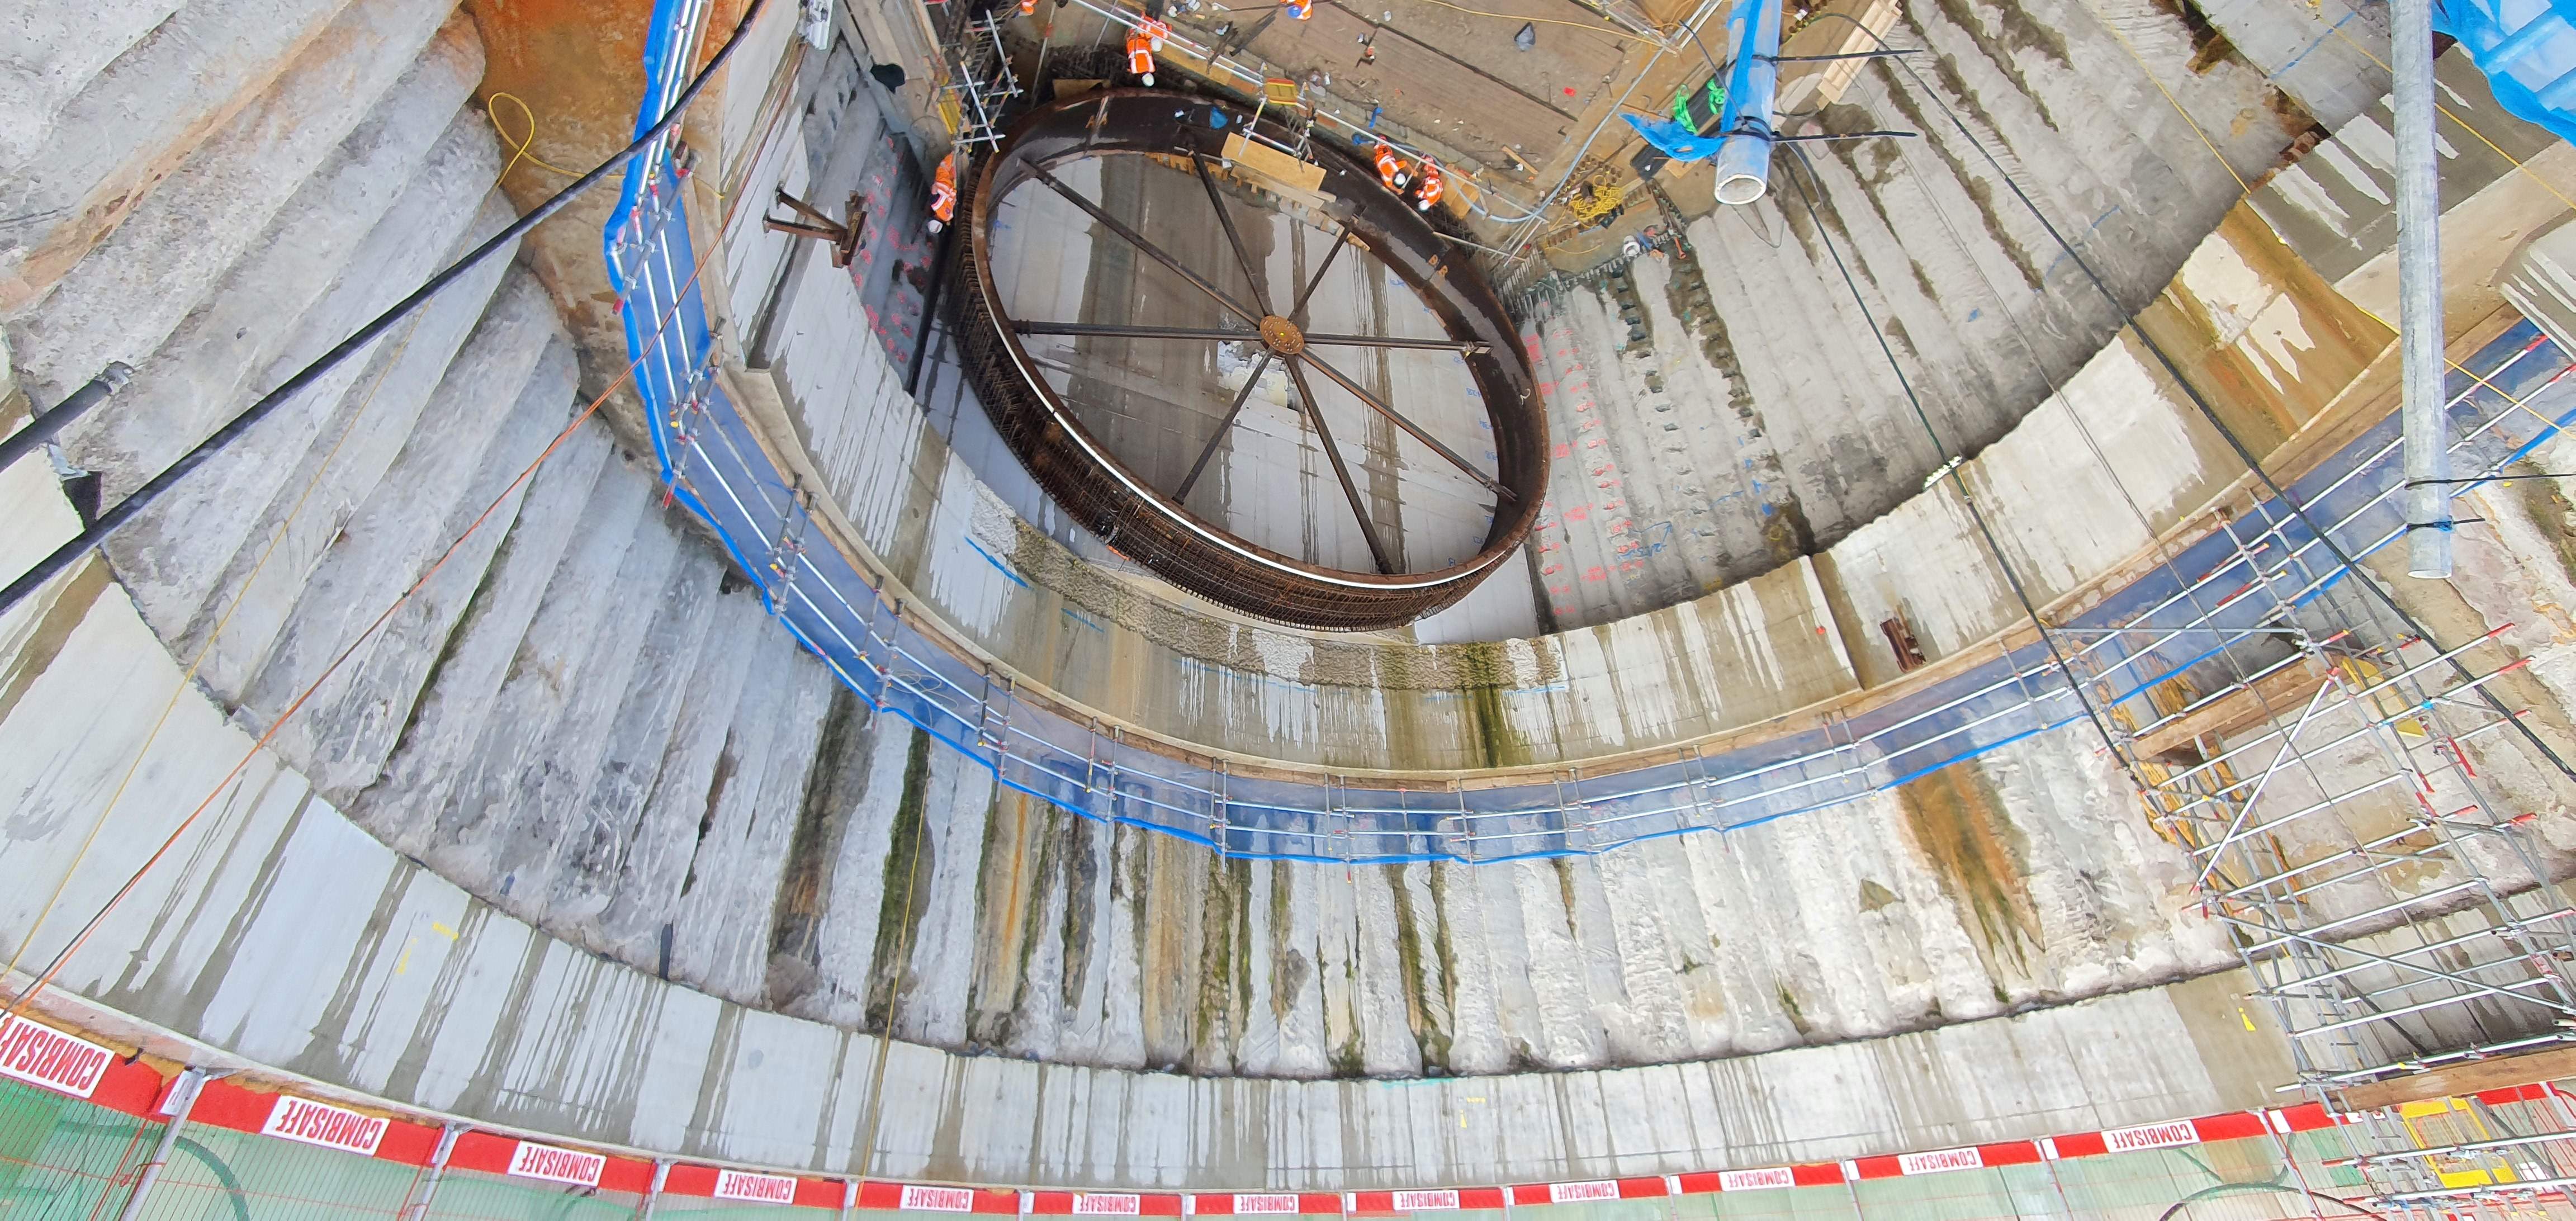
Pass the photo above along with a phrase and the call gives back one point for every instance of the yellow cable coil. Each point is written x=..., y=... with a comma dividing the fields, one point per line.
x=1597, y=200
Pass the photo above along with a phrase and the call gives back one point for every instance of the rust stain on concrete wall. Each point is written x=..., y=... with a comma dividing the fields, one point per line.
x=1958, y=825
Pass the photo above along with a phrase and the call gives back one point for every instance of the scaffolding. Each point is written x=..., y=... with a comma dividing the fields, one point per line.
x=2311, y=757
x=983, y=82
x=2502, y=1153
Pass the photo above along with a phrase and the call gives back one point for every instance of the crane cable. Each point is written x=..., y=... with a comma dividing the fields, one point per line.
x=18, y=1008
x=135, y=502
x=2218, y=423
x=187, y=678
x=24, y=1000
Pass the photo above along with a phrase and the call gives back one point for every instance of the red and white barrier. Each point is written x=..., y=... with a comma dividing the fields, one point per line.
x=67, y=1063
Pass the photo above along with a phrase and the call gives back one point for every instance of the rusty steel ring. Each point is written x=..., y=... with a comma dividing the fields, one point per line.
x=1140, y=521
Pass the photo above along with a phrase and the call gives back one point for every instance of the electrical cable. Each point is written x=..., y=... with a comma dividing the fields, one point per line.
x=2209, y=413
x=20, y=1005
x=2167, y=550
x=519, y=148
x=141, y=498
x=1713, y=69
x=2266, y=1185
x=188, y=677
x=1940, y=449
x=277, y=538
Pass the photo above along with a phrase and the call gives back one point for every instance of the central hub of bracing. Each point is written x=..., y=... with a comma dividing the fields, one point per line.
x=1282, y=336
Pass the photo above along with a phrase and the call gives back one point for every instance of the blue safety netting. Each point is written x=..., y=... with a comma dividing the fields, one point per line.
x=711, y=460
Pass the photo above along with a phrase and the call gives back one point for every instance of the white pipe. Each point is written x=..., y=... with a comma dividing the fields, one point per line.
x=2419, y=294
x=1744, y=161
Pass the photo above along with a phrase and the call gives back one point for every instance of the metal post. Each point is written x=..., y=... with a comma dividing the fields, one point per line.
x=653, y=1197
x=183, y=1099
x=437, y=1170
x=1851, y=1187
x=2419, y=293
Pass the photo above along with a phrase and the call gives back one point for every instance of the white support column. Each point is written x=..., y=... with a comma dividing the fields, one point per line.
x=419, y=1209
x=653, y=1197
x=183, y=1099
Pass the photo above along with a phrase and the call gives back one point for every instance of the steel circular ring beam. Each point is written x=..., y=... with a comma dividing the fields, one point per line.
x=1150, y=524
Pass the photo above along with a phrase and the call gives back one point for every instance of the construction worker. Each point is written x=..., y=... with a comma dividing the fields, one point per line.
x=1299, y=9
x=1140, y=56
x=1428, y=192
x=1154, y=31
x=1027, y=7
x=1390, y=168
x=943, y=193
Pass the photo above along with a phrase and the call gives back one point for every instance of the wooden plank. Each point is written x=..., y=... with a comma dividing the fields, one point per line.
x=2286, y=692
x=2460, y=1080
x=1263, y=161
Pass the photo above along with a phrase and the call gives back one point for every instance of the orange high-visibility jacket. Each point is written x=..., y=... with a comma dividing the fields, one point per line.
x=943, y=190
x=1390, y=168
x=1154, y=30
x=1140, y=54
x=1431, y=184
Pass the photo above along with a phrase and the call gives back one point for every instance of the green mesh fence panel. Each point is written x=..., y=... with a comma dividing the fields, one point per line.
x=64, y=1158
x=702, y=1207
x=217, y=1174
x=1956, y=1196
x=467, y=1195
x=1782, y=1204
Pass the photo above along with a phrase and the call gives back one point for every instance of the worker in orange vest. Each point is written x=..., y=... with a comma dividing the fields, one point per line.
x=1154, y=30
x=1390, y=168
x=1140, y=56
x=1027, y=7
x=1299, y=9
x=1428, y=193
x=943, y=193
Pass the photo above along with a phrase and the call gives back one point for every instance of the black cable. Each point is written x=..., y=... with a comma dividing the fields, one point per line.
x=1940, y=449
x=46, y=423
x=250, y=416
x=2263, y=1185
x=1714, y=70
x=2245, y=454
x=224, y=1176
x=2419, y=483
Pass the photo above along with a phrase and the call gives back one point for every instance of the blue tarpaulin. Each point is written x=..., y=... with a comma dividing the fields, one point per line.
x=1677, y=142
x=2527, y=48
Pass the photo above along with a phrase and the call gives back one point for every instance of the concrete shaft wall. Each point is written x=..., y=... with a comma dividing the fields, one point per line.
x=578, y=839
x=707, y=808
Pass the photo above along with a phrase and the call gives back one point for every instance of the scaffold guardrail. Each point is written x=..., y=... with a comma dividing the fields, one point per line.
x=710, y=458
